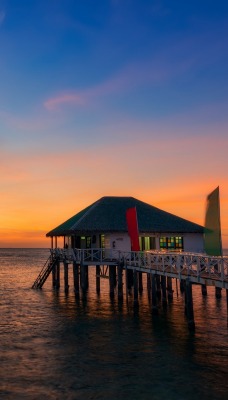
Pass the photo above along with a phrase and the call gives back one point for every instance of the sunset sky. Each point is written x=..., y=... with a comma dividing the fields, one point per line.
x=110, y=97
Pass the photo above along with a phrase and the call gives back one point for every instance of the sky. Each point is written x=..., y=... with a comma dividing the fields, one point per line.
x=110, y=98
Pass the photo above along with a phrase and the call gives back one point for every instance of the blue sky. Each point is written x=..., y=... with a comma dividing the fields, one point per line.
x=89, y=87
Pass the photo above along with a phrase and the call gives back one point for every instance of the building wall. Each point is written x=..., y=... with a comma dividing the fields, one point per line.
x=194, y=242
x=117, y=241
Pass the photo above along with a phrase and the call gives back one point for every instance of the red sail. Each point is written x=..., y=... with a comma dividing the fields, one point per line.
x=132, y=226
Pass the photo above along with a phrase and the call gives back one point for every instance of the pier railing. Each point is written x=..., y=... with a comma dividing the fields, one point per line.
x=200, y=268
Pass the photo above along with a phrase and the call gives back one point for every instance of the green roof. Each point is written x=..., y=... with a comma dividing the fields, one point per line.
x=108, y=214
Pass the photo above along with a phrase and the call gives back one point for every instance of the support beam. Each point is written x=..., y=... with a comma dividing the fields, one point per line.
x=227, y=306
x=130, y=280
x=189, y=305
x=182, y=285
x=140, y=278
x=83, y=278
x=86, y=276
x=154, y=294
x=158, y=286
x=98, y=279
x=169, y=288
x=54, y=276
x=204, y=290
x=148, y=280
x=112, y=270
x=163, y=290
x=218, y=293
x=76, y=278
x=126, y=282
x=66, y=281
x=120, y=281
x=57, y=284
x=136, y=286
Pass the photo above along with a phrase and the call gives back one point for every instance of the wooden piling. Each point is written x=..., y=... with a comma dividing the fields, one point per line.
x=130, y=279
x=86, y=276
x=140, y=279
x=182, y=285
x=54, y=276
x=83, y=278
x=154, y=294
x=126, y=282
x=169, y=288
x=148, y=280
x=114, y=276
x=120, y=281
x=189, y=305
x=98, y=279
x=112, y=269
x=57, y=285
x=76, y=278
x=136, y=285
x=66, y=284
x=218, y=290
x=227, y=306
x=158, y=286
x=218, y=293
x=204, y=290
x=163, y=290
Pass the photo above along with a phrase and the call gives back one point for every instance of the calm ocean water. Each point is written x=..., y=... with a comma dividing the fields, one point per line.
x=53, y=346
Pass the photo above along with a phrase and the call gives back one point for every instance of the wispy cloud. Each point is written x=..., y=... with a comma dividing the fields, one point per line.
x=175, y=60
x=130, y=77
x=2, y=17
x=64, y=98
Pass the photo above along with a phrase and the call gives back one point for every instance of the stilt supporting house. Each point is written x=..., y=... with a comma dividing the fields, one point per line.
x=158, y=286
x=120, y=282
x=66, y=280
x=182, y=285
x=169, y=288
x=76, y=277
x=98, y=284
x=189, y=305
x=57, y=284
x=154, y=294
x=218, y=293
x=159, y=275
x=136, y=286
x=163, y=290
x=140, y=278
x=112, y=279
x=204, y=290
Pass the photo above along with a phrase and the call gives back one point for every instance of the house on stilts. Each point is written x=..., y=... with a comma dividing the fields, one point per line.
x=103, y=225
x=170, y=247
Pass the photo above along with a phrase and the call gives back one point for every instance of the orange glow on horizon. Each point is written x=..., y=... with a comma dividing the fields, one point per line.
x=27, y=226
x=45, y=189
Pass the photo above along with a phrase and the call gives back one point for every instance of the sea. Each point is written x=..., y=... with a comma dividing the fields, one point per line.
x=56, y=346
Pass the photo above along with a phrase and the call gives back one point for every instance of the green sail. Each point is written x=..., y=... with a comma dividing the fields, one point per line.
x=212, y=236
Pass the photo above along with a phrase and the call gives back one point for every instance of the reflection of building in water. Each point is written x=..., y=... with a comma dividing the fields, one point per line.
x=103, y=225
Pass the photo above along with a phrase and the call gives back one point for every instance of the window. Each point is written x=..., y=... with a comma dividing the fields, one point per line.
x=102, y=241
x=88, y=242
x=147, y=243
x=171, y=243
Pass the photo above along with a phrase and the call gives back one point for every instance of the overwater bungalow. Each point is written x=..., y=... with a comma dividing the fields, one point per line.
x=103, y=225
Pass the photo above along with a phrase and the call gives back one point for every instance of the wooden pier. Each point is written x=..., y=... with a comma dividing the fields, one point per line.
x=160, y=268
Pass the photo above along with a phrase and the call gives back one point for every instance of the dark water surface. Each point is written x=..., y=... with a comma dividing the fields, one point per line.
x=53, y=346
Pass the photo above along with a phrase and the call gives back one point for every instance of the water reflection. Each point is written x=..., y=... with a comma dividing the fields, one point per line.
x=56, y=345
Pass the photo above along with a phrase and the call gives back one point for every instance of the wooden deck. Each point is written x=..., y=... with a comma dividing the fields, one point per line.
x=197, y=268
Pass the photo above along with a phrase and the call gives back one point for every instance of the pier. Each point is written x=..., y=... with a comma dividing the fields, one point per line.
x=126, y=269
